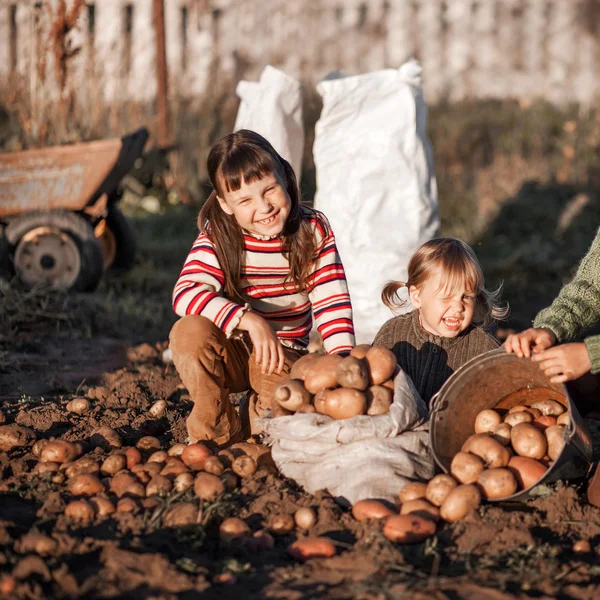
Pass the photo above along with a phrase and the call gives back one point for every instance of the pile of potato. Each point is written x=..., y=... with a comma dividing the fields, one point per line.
x=503, y=456
x=339, y=387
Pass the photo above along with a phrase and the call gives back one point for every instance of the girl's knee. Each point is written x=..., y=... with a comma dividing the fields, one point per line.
x=191, y=332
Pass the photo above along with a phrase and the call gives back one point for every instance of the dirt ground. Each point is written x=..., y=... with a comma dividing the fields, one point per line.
x=502, y=551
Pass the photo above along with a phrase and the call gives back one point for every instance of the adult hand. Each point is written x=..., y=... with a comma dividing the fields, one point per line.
x=532, y=339
x=565, y=362
x=267, y=347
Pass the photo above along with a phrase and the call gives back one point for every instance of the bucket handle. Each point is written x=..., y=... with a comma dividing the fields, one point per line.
x=437, y=403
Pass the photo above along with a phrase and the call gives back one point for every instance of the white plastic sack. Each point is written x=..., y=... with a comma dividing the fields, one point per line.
x=357, y=458
x=273, y=107
x=375, y=181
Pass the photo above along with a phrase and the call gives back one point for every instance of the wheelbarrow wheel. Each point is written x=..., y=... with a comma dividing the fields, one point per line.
x=56, y=248
x=117, y=240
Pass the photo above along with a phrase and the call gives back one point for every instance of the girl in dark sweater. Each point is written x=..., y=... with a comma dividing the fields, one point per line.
x=446, y=287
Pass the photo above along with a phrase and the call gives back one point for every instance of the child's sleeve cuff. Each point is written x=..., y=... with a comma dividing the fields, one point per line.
x=592, y=344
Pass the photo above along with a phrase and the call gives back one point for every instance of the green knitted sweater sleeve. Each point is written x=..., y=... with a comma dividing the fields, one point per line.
x=577, y=306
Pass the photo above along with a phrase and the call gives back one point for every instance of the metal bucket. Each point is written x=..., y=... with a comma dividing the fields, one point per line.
x=500, y=380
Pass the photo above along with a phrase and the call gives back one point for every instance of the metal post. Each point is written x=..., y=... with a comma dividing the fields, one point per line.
x=162, y=106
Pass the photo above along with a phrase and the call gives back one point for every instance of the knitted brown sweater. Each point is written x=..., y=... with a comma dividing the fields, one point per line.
x=428, y=359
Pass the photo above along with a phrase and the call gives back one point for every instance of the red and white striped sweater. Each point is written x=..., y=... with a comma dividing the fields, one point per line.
x=199, y=291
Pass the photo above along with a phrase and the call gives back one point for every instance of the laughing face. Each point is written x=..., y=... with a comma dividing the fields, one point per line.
x=443, y=312
x=261, y=207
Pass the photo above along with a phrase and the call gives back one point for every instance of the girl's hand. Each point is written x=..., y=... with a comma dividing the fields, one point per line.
x=268, y=348
x=565, y=362
x=533, y=339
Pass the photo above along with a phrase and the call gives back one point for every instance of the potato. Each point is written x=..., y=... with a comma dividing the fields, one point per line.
x=420, y=507
x=15, y=436
x=281, y=524
x=527, y=471
x=493, y=453
x=360, y=351
x=195, y=455
x=518, y=407
x=408, y=529
x=106, y=438
x=322, y=373
x=36, y=543
x=379, y=400
x=413, y=491
x=125, y=483
x=229, y=480
x=103, y=506
x=183, y=482
x=389, y=384
x=582, y=547
x=523, y=416
x=127, y=505
x=158, y=409
x=260, y=541
x=276, y=410
x=158, y=486
x=233, y=528
x=460, y=502
x=83, y=465
x=382, y=364
x=305, y=518
x=497, y=483
x=152, y=468
x=113, y=464
x=301, y=366
x=486, y=421
x=549, y=407
x=371, y=509
x=181, y=514
x=352, y=372
x=133, y=457
x=291, y=394
x=208, y=487
x=544, y=421
x=564, y=419
x=243, y=466
x=148, y=443
x=59, y=451
x=80, y=510
x=2, y=418
x=466, y=467
x=213, y=465
x=501, y=433
x=78, y=406
x=438, y=488
x=319, y=400
x=528, y=441
x=158, y=457
x=46, y=467
x=343, y=403
x=306, y=408
x=556, y=440
x=317, y=547
x=39, y=446
x=176, y=449
x=173, y=467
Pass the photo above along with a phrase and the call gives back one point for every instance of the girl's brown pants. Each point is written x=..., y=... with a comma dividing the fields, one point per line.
x=212, y=366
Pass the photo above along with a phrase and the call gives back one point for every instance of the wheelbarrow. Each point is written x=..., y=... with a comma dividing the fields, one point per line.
x=60, y=223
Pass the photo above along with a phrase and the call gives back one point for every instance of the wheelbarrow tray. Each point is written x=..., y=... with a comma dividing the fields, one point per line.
x=67, y=177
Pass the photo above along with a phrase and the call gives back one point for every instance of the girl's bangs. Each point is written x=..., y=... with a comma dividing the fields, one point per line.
x=460, y=271
x=245, y=164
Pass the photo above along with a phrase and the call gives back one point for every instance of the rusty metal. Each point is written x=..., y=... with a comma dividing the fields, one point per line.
x=162, y=106
x=65, y=177
x=500, y=380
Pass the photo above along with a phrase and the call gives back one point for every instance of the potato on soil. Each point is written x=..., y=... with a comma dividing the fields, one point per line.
x=382, y=364
x=281, y=524
x=305, y=517
x=352, y=372
x=158, y=409
x=176, y=449
x=371, y=509
x=195, y=455
x=422, y=508
x=113, y=464
x=59, y=451
x=213, y=465
x=322, y=373
x=15, y=436
x=158, y=486
x=243, y=466
x=501, y=433
x=39, y=446
x=379, y=400
x=522, y=416
x=80, y=510
x=37, y=543
x=291, y=394
x=493, y=453
x=260, y=541
x=311, y=547
x=106, y=438
x=582, y=547
x=46, y=467
x=81, y=466
x=173, y=467
x=208, y=487
x=344, y=403
x=78, y=406
x=102, y=505
x=133, y=457
x=148, y=443
x=556, y=440
x=125, y=483
x=181, y=514
x=527, y=471
x=183, y=482
x=408, y=529
x=486, y=421
x=158, y=457
x=497, y=483
x=360, y=351
x=233, y=528
x=460, y=502
x=229, y=480
x=466, y=467
x=301, y=366
x=439, y=487
x=549, y=407
x=412, y=491
x=127, y=505
x=528, y=441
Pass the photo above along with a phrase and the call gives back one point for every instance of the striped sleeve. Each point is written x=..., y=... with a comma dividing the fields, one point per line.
x=199, y=289
x=328, y=293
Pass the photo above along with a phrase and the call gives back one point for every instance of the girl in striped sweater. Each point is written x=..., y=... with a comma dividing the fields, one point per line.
x=261, y=267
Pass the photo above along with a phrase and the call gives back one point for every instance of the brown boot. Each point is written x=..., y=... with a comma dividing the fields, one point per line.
x=593, y=491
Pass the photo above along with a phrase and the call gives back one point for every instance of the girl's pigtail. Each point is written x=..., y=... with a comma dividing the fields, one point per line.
x=390, y=297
